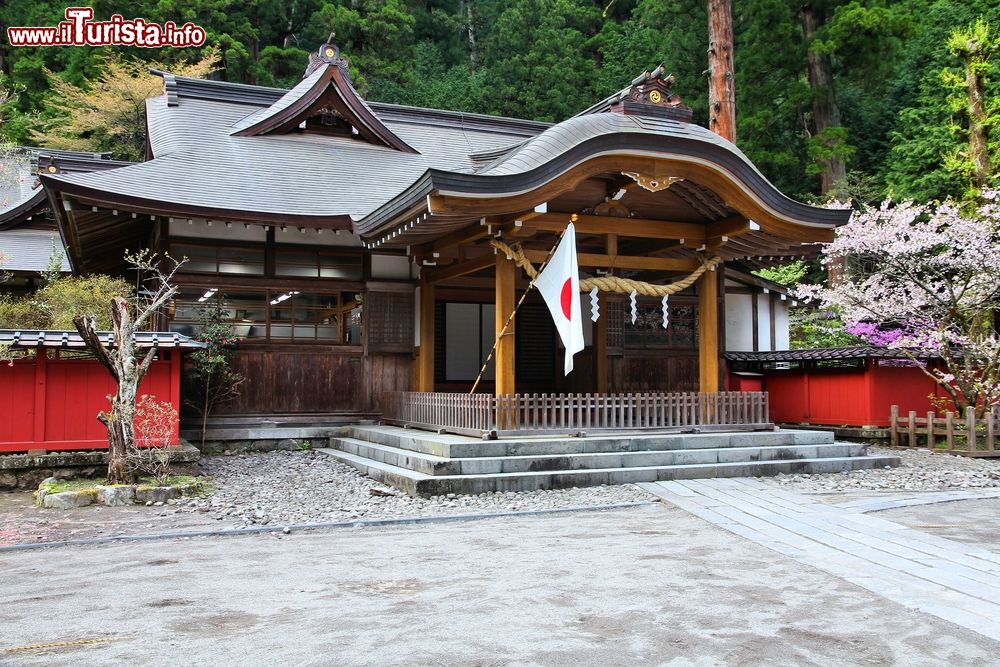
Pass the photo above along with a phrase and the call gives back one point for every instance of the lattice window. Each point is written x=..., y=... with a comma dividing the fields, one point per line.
x=614, y=310
x=389, y=321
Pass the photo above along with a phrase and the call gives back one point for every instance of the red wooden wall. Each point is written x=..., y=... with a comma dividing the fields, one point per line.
x=845, y=396
x=52, y=404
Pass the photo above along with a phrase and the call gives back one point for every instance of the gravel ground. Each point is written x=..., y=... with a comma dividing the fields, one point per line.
x=279, y=488
x=919, y=470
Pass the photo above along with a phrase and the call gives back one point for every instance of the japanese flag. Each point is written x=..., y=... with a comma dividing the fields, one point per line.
x=559, y=283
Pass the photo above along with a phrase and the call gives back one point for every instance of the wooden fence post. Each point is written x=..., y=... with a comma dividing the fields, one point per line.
x=894, y=426
x=970, y=425
x=949, y=429
x=930, y=431
x=911, y=428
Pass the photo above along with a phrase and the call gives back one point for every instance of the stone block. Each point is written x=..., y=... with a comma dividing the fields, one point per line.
x=116, y=496
x=67, y=499
x=156, y=494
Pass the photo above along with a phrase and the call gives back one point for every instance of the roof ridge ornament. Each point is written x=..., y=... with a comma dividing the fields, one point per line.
x=649, y=89
x=327, y=54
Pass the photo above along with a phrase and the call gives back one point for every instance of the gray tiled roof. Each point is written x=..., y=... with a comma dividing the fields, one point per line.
x=287, y=100
x=72, y=339
x=198, y=163
x=826, y=354
x=30, y=249
x=570, y=133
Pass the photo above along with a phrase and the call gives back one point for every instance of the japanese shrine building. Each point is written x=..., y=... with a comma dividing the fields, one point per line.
x=354, y=245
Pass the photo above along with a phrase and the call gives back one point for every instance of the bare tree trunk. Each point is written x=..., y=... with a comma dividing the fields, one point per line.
x=826, y=112
x=978, y=128
x=721, y=82
x=468, y=11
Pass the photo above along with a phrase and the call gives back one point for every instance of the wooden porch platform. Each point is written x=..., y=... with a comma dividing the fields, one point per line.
x=489, y=416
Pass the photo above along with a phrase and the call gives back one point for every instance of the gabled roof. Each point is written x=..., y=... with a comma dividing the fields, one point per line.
x=200, y=169
x=325, y=91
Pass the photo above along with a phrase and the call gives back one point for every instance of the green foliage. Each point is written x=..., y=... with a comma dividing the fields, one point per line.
x=789, y=274
x=900, y=131
x=56, y=304
x=209, y=376
x=810, y=329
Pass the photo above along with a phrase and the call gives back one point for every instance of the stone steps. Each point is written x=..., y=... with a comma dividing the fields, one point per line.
x=415, y=482
x=432, y=464
x=453, y=446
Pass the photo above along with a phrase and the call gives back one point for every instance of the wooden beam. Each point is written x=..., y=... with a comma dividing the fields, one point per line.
x=425, y=360
x=506, y=276
x=708, y=332
x=621, y=261
x=625, y=227
x=474, y=232
x=733, y=226
x=460, y=269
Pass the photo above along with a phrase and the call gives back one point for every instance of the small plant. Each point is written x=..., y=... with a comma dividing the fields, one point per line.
x=304, y=446
x=211, y=378
x=155, y=425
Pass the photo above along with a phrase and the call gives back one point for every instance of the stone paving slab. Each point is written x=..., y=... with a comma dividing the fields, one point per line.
x=951, y=580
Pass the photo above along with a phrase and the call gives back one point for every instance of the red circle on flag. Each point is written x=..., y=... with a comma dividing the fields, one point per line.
x=566, y=298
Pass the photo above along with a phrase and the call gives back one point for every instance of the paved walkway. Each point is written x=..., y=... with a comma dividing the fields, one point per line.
x=948, y=579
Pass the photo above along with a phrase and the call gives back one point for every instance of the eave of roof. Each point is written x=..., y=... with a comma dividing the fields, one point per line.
x=562, y=147
x=828, y=354
x=34, y=338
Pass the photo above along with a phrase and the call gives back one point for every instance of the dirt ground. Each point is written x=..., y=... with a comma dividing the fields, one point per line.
x=975, y=522
x=646, y=585
x=21, y=522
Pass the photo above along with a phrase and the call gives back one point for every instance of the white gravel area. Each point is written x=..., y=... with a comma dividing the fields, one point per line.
x=280, y=488
x=919, y=470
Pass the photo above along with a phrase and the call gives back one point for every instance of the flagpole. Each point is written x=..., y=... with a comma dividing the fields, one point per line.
x=503, y=332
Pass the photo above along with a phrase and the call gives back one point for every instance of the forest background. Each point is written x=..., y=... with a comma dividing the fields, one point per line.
x=863, y=98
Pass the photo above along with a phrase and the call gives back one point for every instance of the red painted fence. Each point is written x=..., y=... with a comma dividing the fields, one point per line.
x=843, y=396
x=52, y=403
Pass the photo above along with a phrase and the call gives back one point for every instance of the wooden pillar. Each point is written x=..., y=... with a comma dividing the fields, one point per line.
x=708, y=332
x=601, y=354
x=506, y=274
x=41, y=376
x=425, y=361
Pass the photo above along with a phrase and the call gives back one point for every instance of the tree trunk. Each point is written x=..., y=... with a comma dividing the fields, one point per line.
x=721, y=83
x=826, y=113
x=468, y=11
x=978, y=149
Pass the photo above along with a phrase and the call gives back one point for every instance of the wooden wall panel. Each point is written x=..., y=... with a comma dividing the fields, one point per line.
x=652, y=371
x=295, y=379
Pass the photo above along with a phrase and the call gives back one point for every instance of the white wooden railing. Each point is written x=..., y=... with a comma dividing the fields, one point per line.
x=485, y=414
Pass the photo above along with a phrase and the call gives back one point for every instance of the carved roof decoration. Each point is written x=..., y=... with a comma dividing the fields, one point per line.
x=324, y=101
x=650, y=94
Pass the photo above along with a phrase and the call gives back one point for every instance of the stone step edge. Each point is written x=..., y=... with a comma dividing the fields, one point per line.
x=428, y=446
x=434, y=458
x=414, y=475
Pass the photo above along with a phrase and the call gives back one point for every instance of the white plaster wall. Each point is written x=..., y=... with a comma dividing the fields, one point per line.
x=781, y=334
x=416, y=317
x=199, y=229
x=763, y=322
x=739, y=322
x=391, y=266
x=462, y=336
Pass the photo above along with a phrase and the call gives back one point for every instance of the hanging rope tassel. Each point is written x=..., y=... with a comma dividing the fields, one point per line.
x=614, y=283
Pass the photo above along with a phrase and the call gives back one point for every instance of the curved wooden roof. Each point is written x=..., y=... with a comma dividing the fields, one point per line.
x=558, y=159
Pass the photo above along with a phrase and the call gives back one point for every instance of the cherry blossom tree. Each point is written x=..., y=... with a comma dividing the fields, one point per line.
x=925, y=279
